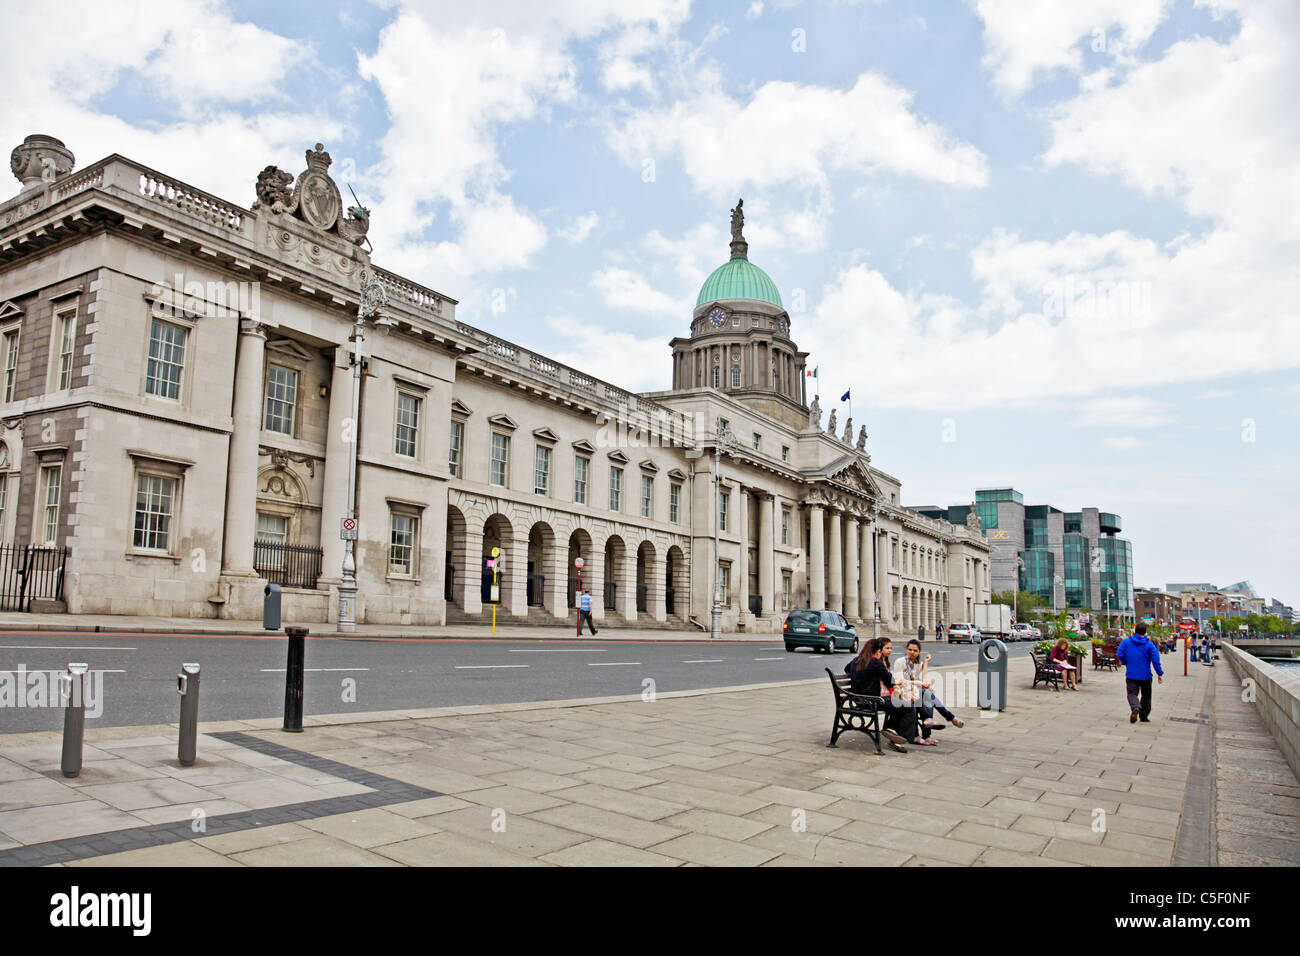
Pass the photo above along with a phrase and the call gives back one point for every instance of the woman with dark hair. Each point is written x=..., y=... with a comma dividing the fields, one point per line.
x=869, y=675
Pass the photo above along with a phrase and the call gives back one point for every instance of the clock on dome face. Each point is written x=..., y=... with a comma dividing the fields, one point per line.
x=717, y=316
x=784, y=323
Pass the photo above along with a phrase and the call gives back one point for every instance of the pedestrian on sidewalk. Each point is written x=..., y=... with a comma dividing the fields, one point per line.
x=584, y=612
x=1139, y=655
x=869, y=675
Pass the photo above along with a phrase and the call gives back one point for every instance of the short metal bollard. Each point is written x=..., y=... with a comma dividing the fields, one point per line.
x=293, y=679
x=187, y=686
x=72, y=691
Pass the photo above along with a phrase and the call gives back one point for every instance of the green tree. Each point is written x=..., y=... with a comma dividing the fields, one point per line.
x=1027, y=605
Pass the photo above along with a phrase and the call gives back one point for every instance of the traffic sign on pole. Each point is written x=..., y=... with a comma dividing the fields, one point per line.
x=348, y=529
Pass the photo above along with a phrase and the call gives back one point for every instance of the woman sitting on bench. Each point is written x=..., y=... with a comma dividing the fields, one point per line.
x=869, y=675
x=1061, y=659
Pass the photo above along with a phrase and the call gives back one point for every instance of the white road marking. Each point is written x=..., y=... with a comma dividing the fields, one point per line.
x=59, y=647
x=487, y=667
x=51, y=671
x=558, y=650
x=709, y=660
x=769, y=658
x=313, y=670
x=614, y=664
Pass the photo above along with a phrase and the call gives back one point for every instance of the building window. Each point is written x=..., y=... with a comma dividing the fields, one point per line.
x=724, y=503
x=11, y=363
x=735, y=376
x=457, y=443
x=785, y=589
x=500, y=458
x=406, y=438
x=735, y=321
x=724, y=583
x=166, y=359
x=155, y=498
x=674, y=502
x=67, y=342
x=51, y=482
x=4, y=498
x=401, y=544
x=542, y=471
x=758, y=441
x=785, y=452
x=615, y=489
x=647, y=496
x=717, y=377
x=785, y=525
x=281, y=398
x=581, y=467
x=724, y=425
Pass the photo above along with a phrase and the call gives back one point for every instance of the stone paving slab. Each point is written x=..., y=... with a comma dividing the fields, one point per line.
x=735, y=777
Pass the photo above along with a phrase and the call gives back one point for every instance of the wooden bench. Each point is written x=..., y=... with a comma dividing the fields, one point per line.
x=1106, y=661
x=854, y=711
x=1045, y=672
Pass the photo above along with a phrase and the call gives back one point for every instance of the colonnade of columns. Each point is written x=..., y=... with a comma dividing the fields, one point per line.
x=842, y=570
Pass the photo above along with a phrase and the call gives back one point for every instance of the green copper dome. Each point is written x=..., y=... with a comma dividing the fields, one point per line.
x=739, y=279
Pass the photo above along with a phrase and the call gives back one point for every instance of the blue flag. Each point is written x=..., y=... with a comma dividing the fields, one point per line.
x=845, y=396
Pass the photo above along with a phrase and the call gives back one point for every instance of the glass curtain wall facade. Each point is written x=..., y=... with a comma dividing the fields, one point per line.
x=1078, y=571
x=1117, y=572
x=1038, y=573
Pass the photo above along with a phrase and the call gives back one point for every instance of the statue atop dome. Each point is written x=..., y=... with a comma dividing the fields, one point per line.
x=739, y=247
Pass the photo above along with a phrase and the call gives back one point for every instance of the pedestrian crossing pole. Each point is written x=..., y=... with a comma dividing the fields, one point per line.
x=496, y=587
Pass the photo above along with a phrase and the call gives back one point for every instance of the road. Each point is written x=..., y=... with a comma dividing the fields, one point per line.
x=243, y=677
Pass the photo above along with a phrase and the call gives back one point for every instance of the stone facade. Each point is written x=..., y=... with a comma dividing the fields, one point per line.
x=183, y=367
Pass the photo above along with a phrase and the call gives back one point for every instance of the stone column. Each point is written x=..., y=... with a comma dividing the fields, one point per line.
x=836, y=549
x=656, y=595
x=514, y=583
x=593, y=579
x=884, y=591
x=555, y=565
x=334, y=497
x=742, y=560
x=867, y=573
x=851, y=568
x=625, y=594
x=816, y=559
x=766, y=553
x=241, y=481
x=470, y=561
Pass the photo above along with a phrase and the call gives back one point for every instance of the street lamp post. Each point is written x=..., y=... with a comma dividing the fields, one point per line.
x=373, y=298
x=724, y=437
x=1110, y=593
x=1015, y=598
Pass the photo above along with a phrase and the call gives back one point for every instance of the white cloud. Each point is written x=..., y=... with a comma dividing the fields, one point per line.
x=629, y=291
x=755, y=10
x=1120, y=443
x=1126, y=411
x=1025, y=38
x=580, y=228
x=621, y=358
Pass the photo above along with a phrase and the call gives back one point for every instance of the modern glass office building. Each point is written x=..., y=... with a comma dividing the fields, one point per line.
x=1069, y=558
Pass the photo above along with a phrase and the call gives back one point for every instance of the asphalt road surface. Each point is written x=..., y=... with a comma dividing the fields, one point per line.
x=243, y=677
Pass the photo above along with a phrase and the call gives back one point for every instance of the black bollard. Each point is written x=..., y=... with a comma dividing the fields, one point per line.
x=72, y=688
x=187, y=686
x=293, y=679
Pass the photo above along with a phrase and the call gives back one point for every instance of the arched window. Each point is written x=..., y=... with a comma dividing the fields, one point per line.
x=735, y=376
x=717, y=377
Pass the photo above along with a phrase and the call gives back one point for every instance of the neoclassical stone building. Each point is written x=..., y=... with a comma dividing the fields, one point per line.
x=177, y=428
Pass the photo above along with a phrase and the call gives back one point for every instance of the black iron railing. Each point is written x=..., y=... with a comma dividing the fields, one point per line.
x=28, y=572
x=288, y=565
x=611, y=591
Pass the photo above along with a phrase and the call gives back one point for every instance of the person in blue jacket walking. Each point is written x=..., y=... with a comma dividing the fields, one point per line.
x=1139, y=655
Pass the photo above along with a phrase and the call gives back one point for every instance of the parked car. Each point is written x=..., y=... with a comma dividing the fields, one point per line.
x=1023, y=632
x=963, y=634
x=820, y=630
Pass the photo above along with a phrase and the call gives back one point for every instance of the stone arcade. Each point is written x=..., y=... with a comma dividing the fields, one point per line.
x=176, y=416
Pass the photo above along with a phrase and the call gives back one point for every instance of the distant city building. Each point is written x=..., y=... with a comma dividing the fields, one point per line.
x=1158, y=605
x=1071, y=559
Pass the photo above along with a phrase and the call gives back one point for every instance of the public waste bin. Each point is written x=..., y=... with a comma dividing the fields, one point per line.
x=271, y=608
x=992, y=675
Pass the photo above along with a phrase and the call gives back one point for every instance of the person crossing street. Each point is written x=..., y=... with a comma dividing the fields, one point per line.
x=584, y=609
x=1139, y=655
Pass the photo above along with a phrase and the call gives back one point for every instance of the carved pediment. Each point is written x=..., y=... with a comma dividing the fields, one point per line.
x=291, y=350
x=545, y=435
x=10, y=311
x=503, y=421
x=460, y=408
x=677, y=474
x=649, y=466
x=618, y=456
x=585, y=446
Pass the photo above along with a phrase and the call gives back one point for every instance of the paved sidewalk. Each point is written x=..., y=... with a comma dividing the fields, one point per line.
x=126, y=624
x=740, y=776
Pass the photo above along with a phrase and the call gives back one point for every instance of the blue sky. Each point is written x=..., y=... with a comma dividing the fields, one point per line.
x=1046, y=245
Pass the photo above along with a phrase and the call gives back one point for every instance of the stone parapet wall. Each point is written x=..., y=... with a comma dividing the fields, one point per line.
x=1277, y=696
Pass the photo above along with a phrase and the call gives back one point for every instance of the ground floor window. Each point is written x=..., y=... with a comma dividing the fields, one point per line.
x=402, y=548
x=155, y=497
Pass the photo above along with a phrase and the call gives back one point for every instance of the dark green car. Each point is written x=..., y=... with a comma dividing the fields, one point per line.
x=823, y=630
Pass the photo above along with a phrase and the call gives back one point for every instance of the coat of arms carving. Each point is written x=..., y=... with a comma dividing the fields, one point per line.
x=314, y=198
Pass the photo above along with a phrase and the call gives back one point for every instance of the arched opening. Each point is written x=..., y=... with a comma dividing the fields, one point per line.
x=579, y=547
x=455, y=554
x=673, y=567
x=615, y=556
x=497, y=533
x=541, y=554
x=645, y=556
